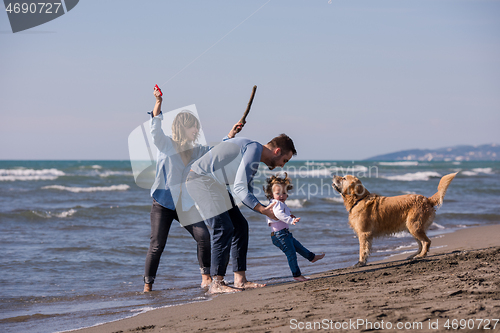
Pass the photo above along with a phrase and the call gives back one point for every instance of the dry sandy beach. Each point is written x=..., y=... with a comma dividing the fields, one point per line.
x=456, y=287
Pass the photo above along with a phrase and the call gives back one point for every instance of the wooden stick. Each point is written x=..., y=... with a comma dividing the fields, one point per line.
x=243, y=119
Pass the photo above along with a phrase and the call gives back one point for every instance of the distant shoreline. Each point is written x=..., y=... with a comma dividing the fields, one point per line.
x=461, y=153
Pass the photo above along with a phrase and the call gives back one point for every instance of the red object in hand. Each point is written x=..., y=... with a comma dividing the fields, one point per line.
x=156, y=87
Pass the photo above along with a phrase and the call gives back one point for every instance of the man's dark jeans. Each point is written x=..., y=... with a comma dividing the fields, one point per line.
x=230, y=228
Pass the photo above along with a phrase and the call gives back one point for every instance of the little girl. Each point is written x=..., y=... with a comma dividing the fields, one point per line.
x=276, y=191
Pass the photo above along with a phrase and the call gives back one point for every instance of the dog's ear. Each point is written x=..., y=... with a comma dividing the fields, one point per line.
x=356, y=189
x=351, y=189
x=359, y=190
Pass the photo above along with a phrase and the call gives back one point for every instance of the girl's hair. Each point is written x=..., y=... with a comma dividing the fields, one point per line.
x=183, y=121
x=277, y=180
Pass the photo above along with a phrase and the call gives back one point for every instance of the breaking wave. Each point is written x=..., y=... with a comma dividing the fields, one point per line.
x=115, y=173
x=335, y=199
x=29, y=174
x=122, y=187
x=296, y=203
x=49, y=214
x=402, y=163
x=422, y=176
x=477, y=171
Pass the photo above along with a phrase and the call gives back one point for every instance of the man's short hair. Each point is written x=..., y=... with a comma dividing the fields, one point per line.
x=283, y=142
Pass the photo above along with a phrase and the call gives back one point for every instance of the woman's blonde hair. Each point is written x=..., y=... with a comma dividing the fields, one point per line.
x=183, y=121
x=277, y=180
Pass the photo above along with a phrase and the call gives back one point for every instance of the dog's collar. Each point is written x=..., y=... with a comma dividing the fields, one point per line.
x=357, y=203
x=342, y=194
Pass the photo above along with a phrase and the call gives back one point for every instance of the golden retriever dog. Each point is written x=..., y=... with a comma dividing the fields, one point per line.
x=371, y=215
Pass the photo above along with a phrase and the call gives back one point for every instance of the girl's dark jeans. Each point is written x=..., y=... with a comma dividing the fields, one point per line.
x=284, y=240
x=161, y=220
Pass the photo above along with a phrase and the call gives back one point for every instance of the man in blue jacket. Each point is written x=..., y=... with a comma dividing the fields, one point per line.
x=218, y=181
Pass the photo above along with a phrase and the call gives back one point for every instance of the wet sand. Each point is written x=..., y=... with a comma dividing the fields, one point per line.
x=457, y=284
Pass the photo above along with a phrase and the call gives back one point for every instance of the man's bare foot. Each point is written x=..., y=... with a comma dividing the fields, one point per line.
x=249, y=285
x=318, y=257
x=148, y=287
x=220, y=287
x=300, y=278
x=240, y=281
x=206, y=279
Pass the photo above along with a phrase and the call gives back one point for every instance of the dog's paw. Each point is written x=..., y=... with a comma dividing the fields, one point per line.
x=415, y=260
x=360, y=264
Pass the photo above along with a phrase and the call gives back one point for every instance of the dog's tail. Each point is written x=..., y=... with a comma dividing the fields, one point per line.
x=437, y=199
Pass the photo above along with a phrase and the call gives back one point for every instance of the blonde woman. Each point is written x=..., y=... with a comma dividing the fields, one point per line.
x=171, y=200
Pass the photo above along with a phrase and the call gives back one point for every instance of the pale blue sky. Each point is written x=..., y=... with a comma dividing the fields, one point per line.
x=346, y=80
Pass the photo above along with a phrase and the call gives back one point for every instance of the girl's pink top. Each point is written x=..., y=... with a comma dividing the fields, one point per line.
x=282, y=212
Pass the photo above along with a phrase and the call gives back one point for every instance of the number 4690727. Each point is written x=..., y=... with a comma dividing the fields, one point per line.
x=33, y=8
x=485, y=324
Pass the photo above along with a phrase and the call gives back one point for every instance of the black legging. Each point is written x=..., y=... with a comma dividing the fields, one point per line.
x=161, y=220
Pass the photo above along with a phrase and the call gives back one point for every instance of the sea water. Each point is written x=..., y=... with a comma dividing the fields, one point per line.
x=74, y=234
